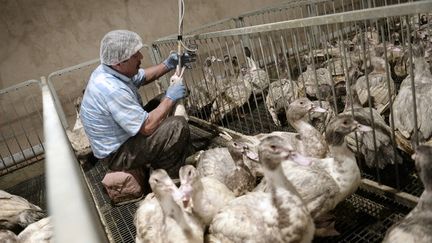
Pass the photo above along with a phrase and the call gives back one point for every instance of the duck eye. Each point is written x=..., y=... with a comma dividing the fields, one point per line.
x=301, y=102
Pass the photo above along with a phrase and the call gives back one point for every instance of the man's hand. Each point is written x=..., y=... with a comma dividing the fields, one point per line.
x=176, y=91
x=172, y=60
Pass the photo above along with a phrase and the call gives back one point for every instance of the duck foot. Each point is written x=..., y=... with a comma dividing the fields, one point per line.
x=327, y=230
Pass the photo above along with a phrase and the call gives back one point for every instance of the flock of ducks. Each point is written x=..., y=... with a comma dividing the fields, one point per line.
x=283, y=186
x=338, y=73
x=262, y=189
x=219, y=198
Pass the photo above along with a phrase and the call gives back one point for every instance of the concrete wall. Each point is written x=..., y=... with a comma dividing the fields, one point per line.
x=39, y=37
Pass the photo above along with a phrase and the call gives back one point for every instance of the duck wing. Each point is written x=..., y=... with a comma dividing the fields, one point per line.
x=15, y=210
x=404, y=114
x=40, y=231
x=248, y=218
x=384, y=154
x=281, y=93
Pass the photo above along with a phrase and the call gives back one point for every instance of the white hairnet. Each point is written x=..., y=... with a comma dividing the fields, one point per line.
x=118, y=46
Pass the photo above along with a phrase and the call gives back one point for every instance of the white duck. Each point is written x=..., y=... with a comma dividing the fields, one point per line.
x=384, y=153
x=8, y=236
x=320, y=120
x=280, y=94
x=403, y=104
x=279, y=216
x=417, y=225
x=378, y=85
x=41, y=231
x=227, y=165
x=206, y=194
x=203, y=92
x=308, y=81
x=160, y=218
x=232, y=98
x=256, y=76
x=307, y=140
x=17, y=211
x=327, y=181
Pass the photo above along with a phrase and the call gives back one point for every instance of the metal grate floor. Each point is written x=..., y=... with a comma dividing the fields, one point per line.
x=119, y=220
x=364, y=217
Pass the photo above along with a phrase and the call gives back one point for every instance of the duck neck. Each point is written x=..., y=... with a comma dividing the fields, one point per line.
x=301, y=125
x=425, y=201
x=310, y=136
x=278, y=180
x=345, y=170
x=279, y=187
x=171, y=209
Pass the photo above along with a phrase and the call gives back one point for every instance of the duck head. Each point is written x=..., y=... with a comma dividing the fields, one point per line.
x=188, y=175
x=299, y=108
x=274, y=149
x=237, y=149
x=162, y=185
x=341, y=126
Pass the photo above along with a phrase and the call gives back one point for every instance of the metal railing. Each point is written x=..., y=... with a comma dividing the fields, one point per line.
x=69, y=200
x=21, y=130
x=297, y=9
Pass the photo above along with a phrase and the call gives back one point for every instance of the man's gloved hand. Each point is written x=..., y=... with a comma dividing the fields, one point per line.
x=172, y=60
x=176, y=91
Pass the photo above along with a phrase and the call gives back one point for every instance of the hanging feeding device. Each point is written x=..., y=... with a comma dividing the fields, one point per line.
x=180, y=109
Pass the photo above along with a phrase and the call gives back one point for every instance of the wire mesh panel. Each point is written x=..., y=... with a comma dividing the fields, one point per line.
x=358, y=63
x=21, y=130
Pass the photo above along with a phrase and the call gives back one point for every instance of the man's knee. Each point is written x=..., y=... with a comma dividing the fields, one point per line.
x=177, y=122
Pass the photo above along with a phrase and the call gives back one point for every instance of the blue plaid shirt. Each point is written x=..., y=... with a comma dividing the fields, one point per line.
x=111, y=109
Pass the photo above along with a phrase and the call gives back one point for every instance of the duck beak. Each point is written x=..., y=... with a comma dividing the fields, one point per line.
x=318, y=109
x=363, y=128
x=300, y=159
x=251, y=155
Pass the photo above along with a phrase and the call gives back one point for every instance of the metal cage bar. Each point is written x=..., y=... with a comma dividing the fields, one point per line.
x=20, y=126
x=79, y=215
x=329, y=44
